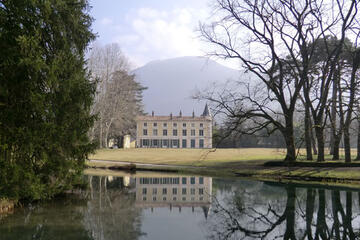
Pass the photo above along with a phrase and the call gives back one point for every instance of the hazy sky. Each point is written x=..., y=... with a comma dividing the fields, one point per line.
x=151, y=29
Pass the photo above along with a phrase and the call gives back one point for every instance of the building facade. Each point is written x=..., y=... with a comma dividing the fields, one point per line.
x=174, y=131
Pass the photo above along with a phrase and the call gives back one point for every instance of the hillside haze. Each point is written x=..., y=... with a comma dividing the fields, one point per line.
x=171, y=83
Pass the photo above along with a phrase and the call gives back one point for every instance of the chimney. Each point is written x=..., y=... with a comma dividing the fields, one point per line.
x=152, y=114
x=170, y=115
x=180, y=114
x=193, y=115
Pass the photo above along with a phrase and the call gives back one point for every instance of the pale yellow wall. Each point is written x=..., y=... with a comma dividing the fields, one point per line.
x=207, y=127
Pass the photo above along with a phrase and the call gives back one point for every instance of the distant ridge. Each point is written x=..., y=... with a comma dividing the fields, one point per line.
x=172, y=82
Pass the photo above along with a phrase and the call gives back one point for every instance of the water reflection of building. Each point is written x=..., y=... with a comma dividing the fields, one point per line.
x=174, y=192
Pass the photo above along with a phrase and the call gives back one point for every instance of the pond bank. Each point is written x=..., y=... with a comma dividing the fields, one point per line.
x=6, y=207
x=327, y=175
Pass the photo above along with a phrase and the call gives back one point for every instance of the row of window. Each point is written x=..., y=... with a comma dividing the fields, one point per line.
x=174, y=191
x=155, y=124
x=174, y=198
x=169, y=180
x=174, y=143
x=174, y=133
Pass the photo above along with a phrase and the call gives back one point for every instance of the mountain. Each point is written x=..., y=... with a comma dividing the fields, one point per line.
x=171, y=83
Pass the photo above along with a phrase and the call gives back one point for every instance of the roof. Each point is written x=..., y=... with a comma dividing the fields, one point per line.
x=173, y=118
x=207, y=111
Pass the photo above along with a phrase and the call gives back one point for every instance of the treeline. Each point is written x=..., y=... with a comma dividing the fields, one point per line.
x=118, y=98
x=300, y=57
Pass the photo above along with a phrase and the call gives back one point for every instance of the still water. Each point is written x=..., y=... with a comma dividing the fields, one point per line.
x=119, y=205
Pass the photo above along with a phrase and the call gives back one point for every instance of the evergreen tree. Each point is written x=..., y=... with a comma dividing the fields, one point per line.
x=45, y=96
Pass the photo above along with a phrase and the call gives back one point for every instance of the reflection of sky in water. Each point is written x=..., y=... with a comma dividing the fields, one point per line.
x=165, y=224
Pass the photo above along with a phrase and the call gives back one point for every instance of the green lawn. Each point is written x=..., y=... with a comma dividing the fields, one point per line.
x=195, y=157
x=230, y=162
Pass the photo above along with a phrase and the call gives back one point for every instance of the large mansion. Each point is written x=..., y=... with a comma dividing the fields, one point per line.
x=174, y=131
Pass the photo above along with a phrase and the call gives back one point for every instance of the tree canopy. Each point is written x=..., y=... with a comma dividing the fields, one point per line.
x=45, y=96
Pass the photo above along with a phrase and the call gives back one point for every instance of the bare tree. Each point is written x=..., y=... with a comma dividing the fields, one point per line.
x=118, y=97
x=282, y=32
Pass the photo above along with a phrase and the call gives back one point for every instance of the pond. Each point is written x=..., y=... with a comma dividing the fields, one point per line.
x=148, y=205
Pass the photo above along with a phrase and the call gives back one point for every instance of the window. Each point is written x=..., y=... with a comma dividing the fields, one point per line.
x=184, y=132
x=145, y=142
x=174, y=124
x=184, y=143
x=201, y=132
x=144, y=191
x=154, y=190
x=201, y=198
x=201, y=180
x=174, y=190
x=164, y=191
x=174, y=132
x=183, y=191
x=144, y=198
x=192, y=191
x=156, y=143
x=155, y=124
x=192, y=180
x=183, y=180
x=144, y=132
x=145, y=124
x=201, y=125
x=175, y=143
x=201, y=191
x=174, y=198
x=192, y=143
x=201, y=143
x=184, y=198
x=164, y=124
x=164, y=132
x=184, y=124
x=192, y=124
x=192, y=132
x=164, y=198
x=155, y=132
x=154, y=199
x=165, y=143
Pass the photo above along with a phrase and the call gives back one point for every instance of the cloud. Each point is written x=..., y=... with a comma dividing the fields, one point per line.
x=106, y=21
x=155, y=34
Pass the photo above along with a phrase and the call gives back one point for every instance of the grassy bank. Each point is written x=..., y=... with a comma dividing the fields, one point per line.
x=248, y=162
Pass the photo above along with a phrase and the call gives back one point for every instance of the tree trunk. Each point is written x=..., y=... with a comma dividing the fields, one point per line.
x=333, y=112
x=349, y=112
x=336, y=147
x=347, y=145
x=313, y=143
x=288, y=133
x=308, y=133
x=100, y=134
x=319, y=131
x=358, y=141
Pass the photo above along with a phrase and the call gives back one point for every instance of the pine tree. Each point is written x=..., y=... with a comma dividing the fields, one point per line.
x=45, y=96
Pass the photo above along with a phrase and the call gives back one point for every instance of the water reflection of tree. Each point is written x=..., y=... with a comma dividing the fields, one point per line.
x=110, y=212
x=305, y=213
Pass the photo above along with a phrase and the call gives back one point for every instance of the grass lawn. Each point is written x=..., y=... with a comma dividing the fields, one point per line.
x=230, y=162
x=194, y=157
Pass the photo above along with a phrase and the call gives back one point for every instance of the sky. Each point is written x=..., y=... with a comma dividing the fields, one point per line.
x=153, y=29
